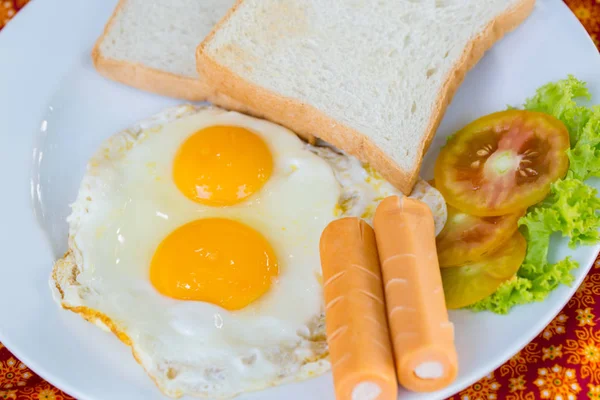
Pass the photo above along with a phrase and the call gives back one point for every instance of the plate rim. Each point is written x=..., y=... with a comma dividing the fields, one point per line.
x=55, y=380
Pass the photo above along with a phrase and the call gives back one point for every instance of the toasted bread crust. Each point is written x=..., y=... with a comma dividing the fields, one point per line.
x=145, y=78
x=306, y=120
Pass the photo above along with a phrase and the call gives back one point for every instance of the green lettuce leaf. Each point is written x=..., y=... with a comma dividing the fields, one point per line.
x=560, y=100
x=540, y=223
x=511, y=293
x=576, y=206
x=584, y=155
x=552, y=276
x=584, y=161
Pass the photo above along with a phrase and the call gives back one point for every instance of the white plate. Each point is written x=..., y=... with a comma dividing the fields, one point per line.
x=54, y=112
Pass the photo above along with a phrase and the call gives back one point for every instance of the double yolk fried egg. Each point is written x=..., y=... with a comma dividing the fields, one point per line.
x=194, y=238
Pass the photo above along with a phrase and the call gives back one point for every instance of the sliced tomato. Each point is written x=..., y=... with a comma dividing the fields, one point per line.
x=467, y=284
x=466, y=238
x=503, y=162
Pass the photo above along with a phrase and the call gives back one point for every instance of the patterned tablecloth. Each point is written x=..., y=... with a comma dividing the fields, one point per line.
x=562, y=363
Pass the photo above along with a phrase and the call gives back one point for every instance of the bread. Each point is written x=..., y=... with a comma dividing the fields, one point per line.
x=150, y=45
x=371, y=78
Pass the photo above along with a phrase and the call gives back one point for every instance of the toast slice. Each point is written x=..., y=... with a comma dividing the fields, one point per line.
x=371, y=78
x=151, y=45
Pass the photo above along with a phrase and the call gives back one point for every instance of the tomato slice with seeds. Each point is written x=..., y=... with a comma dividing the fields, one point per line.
x=503, y=162
x=467, y=284
x=467, y=238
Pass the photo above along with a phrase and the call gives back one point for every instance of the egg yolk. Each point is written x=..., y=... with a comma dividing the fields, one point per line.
x=215, y=260
x=222, y=165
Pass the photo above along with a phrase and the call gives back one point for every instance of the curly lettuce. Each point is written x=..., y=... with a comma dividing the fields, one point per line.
x=571, y=209
x=584, y=155
x=560, y=100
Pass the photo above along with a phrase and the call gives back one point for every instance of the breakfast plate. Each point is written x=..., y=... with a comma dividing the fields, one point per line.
x=56, y=111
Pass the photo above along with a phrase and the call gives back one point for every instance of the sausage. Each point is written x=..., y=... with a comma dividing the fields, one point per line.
x=421, y=334
x=355, y=321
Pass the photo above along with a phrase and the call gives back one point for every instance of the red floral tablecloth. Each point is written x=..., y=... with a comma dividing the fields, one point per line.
x=562, y=363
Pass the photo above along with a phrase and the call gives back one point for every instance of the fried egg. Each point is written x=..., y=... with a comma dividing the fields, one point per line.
x=194, y=238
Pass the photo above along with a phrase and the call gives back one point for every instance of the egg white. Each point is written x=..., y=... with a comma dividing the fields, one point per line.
x=128, y=203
